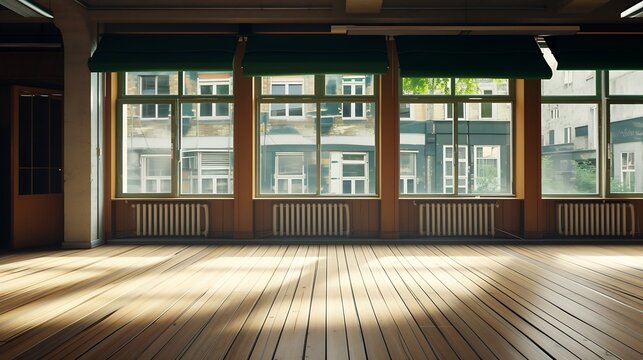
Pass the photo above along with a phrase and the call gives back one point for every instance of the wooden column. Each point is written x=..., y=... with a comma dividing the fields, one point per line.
x=244, y=150
x=528, y=161
x=389, y=149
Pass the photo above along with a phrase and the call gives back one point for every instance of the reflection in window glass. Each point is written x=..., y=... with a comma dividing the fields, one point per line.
x=206, y=149
x=152, y=83
x=482, y=86
x=569, y=157
x=566, y=82
x=146, y=156
x=626, y=83
x=349, y=84
x=426, y=139
x=626, y=147
x=426, y=86
x=207, y=83
x=287, y=151
x=288, y=85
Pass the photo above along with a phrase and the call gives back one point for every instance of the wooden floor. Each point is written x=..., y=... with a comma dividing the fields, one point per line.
x=332, y=302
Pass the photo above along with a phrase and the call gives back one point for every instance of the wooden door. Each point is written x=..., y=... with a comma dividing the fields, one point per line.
x=37, y=167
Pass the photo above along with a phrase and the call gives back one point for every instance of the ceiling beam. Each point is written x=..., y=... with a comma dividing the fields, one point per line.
x=578, y=6
x=363, y=6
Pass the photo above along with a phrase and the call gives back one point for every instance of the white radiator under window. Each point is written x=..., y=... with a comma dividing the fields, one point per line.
x=310, y=220
x=172, y=219
x=596, y=219
x=457, y=219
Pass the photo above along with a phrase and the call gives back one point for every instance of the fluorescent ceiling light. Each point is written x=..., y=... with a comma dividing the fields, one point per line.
x=453, y=30
x=26, y=8
x=635, y=11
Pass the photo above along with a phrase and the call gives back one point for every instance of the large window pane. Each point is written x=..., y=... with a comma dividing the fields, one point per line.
x=426, y=86
x=152, y=83
x=347, y=150
x=426, y=145
x=566, y=82
x=626, y=83
x=207, y=83
x=569, y=148
x=146, y=151
x=349, y=84
x=481, y=86
x=288, y=85
x=626, y=147
x=206, y=149
x=484, y=142
x=287, y=150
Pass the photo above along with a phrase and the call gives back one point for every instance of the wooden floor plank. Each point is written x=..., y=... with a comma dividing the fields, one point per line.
x=331, y=301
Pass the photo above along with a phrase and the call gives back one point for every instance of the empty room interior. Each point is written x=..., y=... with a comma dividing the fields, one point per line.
x=321, y=179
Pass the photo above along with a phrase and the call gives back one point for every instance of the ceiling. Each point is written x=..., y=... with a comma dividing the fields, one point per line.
x=595, y=15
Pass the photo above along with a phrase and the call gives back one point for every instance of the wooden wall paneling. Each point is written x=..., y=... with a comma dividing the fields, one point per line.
x=244, y=150
x=5, y=171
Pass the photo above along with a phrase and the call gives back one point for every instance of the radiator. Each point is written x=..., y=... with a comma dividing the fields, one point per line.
x=596, y=219
x=457, y=219
x=310, y=220
x=176, y=219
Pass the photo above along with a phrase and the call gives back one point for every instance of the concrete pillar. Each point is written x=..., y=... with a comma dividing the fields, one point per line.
x=82, y=118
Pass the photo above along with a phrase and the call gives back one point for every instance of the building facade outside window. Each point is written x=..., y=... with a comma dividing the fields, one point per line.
x=474, y=116
x=317, y=138
x=175, y=134
x=599, y=115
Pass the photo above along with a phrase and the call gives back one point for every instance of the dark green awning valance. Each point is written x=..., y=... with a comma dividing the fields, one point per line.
x=597, y=52
x=473, y=56
x=314, y=54
x=163, y=53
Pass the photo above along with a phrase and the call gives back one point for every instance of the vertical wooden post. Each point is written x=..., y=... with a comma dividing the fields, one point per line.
x=528, y=161
x=109, y=140
x=244, y=149
x=389, y=149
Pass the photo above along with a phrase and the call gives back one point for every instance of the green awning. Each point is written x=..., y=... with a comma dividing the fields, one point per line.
x=163, y=53
x=473, y=56
x=597, y=52
x=314, y=54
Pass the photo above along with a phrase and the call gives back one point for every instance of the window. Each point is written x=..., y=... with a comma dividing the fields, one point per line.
x=317, y=152
x=408, y=171
x=353, y=85
x=626, y=143
x=348, y=173
x=568, y=135
x=628, y=172
x=290, y=173
x=288, y=109
x=157, y=174
x=208, y=110
x=587, y=111
x=430, y=112
x=158, y=116
x=463, y=169
x=206, y=172
x=486, y=169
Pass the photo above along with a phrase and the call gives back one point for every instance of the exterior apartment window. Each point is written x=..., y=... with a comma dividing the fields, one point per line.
x=574, y=167
x=288, y=109
x=290, y=173
x=568, y=135
x=475, y=117
x=408, y=172
x=628, y=172
x=321, y=151
x=175, y=140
